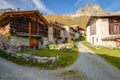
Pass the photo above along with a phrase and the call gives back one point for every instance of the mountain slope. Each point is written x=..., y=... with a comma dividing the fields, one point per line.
x=81, y=20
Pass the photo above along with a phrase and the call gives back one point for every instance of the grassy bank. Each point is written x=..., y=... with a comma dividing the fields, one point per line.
x=66, y=58
x=110, y=55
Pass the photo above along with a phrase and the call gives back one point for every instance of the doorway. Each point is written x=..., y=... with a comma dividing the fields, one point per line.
x=33, y=42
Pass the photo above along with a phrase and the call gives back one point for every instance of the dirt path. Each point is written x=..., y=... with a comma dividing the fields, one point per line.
x=90, y=67
x=95, y=67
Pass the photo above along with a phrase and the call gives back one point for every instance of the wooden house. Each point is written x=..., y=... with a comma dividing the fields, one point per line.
x=104, y=31
x=25, y=29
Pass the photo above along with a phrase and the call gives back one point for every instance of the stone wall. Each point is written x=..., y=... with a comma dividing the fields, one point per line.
x=67, y=33
x=16, y=41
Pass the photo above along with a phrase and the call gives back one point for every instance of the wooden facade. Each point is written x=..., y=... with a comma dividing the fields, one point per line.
x=114, y=25
x=29, y=24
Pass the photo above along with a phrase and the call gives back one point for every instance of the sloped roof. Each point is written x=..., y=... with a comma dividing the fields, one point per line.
x=77, y=27
x=56, y=24
x=113, y=37
x=101, y=16
x=10, y=14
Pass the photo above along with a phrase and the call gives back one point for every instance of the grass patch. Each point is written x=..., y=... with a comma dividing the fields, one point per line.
x=66, y=58
x=110, y=55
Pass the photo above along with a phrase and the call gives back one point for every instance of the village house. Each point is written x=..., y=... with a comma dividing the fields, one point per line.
x=64, y=33
x=26, y=29
x=74, y=33
x=58, y=32
x=104, y=31
x=80, y=31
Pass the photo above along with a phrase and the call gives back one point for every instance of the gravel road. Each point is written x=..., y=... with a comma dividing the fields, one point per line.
x=89, y=66
x=94, y=66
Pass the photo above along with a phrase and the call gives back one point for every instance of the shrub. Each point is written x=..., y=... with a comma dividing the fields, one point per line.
x=81, y=38
x=52, y=46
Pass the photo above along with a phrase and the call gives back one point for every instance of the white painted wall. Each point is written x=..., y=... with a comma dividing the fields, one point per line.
x=98, y=33
x=105, y=28
x=50, y=35
x=88, y=33
x=67, y=32
x=102, y=30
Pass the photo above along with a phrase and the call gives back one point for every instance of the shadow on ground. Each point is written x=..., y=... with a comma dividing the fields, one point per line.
x=112, y=60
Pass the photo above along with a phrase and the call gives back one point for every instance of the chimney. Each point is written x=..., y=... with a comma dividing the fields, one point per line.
x=18, y=9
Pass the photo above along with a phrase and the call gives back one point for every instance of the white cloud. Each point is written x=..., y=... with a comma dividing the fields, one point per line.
x=82, y=2
x=39, y=4
x=77, y=2
x=5, y=4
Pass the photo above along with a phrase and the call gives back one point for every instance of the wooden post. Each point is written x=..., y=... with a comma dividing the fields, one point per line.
x=37, y=29
x=29, y=29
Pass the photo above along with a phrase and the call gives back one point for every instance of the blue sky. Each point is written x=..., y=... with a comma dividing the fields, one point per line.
x=58, y=6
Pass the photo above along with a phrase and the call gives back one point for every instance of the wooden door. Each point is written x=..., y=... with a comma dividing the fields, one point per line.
x=34, y=42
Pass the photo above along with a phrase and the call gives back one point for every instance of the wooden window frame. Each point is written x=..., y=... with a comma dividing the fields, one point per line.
x=113, y=22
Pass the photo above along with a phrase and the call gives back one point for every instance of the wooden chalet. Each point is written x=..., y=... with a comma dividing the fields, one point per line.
x=26, y=28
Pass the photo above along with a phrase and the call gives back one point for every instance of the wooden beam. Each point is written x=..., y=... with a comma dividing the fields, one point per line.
x=29, y=28
x=37, y=29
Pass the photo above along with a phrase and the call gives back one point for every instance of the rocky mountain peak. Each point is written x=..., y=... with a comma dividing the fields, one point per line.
x=93, y=6
x=90, y=10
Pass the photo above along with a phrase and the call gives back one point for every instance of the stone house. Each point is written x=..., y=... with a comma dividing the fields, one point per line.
x=79, y=31
x=104, y=31
x=74, y=33
x=26, y=29
x=63, y=31
x=58, y=33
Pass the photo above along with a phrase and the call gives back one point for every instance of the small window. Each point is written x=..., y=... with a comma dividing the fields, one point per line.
x=115, y=28
x=96, y=39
